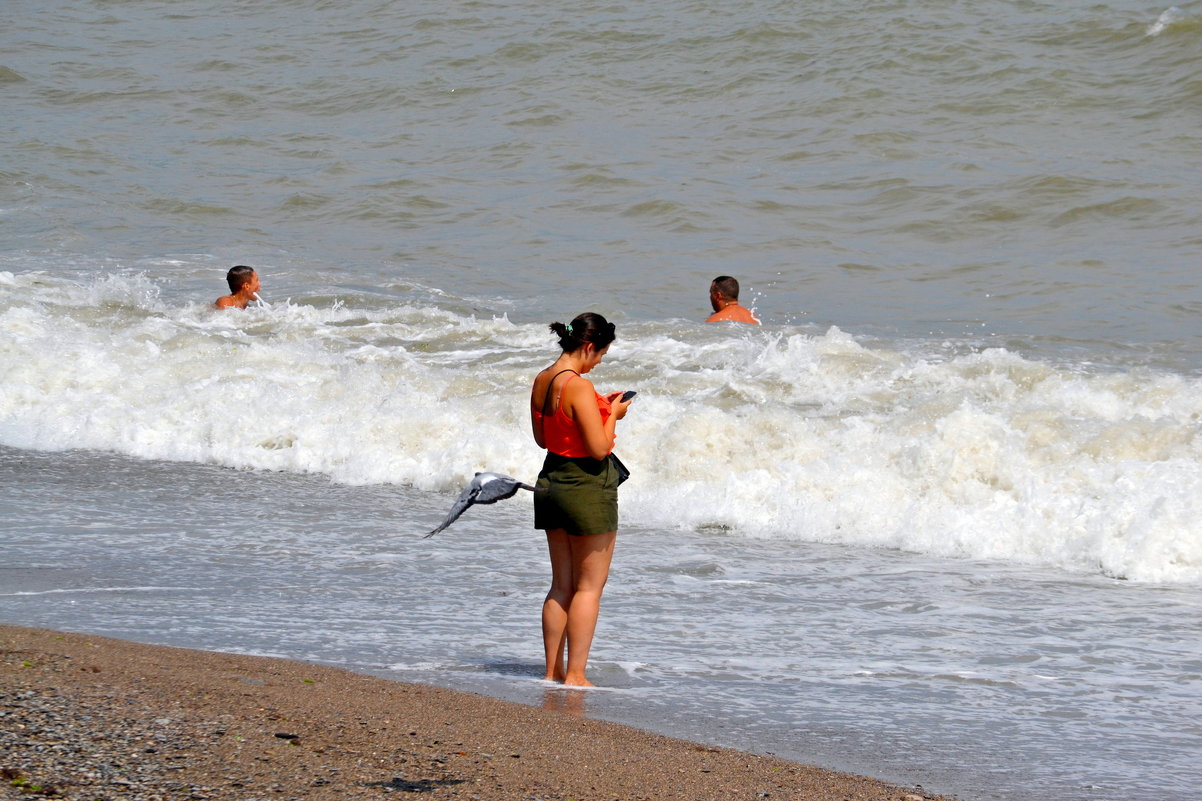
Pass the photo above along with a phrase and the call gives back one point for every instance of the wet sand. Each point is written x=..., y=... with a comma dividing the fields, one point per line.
x=88, y=718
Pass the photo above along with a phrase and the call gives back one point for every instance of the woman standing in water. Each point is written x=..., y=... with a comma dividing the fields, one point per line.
x=579, y=505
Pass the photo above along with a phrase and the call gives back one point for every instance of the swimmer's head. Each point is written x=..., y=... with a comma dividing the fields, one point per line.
x=239, y=277
x=726, y=287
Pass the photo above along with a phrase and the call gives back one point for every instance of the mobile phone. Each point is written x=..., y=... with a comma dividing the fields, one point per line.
x=627, y=395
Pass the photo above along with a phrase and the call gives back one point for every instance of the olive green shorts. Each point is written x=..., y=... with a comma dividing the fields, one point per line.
x=580, y=497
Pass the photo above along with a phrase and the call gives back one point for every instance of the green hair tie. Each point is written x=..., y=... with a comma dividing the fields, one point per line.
x=569, y=327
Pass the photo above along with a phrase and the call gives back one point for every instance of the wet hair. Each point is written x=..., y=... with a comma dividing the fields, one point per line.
x=727, y=287
x=238, y=277
x=587, y=327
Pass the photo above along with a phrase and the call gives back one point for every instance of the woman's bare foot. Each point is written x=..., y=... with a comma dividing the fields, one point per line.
x=577, y=681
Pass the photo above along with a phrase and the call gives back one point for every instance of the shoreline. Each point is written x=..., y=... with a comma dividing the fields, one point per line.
x=90, y=718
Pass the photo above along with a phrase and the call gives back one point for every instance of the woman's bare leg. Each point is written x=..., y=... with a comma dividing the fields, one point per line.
x=590, y=559
x=557, y=603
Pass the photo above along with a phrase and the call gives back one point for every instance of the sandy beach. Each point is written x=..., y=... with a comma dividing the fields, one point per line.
x=91, y=718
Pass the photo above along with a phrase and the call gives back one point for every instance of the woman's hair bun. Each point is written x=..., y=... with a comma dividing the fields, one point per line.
x=587, y=327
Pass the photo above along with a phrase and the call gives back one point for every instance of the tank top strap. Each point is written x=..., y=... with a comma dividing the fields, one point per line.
x=551, y=385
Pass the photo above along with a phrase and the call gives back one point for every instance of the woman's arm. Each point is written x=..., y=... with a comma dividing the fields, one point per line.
x=535, y=423
x=579, y=400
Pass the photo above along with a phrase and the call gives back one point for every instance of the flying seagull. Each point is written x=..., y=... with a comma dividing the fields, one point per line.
x=485, y=488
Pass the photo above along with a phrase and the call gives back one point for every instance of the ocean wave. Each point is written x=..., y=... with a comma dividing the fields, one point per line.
x=1168, y=18
x=779, y=432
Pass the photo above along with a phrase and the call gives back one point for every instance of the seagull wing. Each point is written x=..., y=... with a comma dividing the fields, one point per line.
x=465, y=499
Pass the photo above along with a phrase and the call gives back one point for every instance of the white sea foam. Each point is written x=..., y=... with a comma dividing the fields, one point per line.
x=773, y=433
x=1167, y=18
x=93, y=590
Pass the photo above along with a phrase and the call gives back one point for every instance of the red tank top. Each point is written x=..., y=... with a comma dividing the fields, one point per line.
x=561, y=435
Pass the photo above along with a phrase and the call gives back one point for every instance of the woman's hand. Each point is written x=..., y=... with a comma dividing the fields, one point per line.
x=617, y=405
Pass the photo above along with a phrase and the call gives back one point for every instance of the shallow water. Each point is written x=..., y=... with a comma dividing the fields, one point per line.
x=936, y=520
x=986, y=679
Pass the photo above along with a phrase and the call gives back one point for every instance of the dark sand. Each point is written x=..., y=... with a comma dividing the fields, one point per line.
x=87, y=718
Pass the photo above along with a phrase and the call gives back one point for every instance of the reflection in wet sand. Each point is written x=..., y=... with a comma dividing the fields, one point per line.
x=569, y=701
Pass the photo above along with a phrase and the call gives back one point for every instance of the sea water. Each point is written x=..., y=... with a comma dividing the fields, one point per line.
x=937, y=520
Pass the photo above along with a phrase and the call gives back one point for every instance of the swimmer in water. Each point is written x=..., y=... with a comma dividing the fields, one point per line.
x=724, y=298
x=244, y=287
